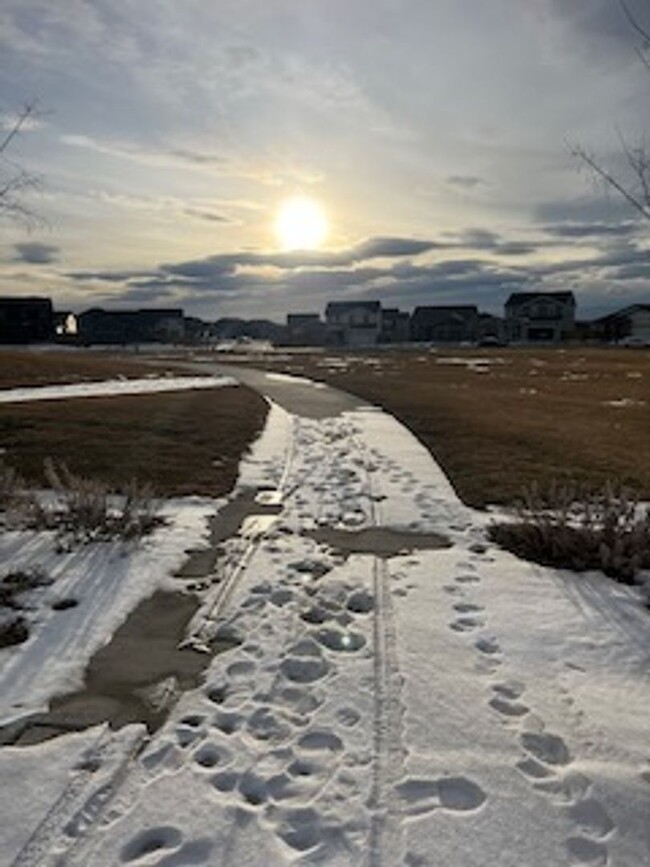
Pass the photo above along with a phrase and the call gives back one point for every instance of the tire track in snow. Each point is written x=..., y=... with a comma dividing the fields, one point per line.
x=385, y=844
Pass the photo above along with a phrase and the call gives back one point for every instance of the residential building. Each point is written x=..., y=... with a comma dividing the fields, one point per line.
x=544, y=317
x=305, y=329
x=444, y=324
x=630, y=322
x=353, y=323
x=395, y=326
x=490, y=328
x=150, y=325
x=26, y=319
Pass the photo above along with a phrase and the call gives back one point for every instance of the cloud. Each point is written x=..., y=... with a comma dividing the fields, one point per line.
x=592, y=230
x=465, y=182
x=35, y=253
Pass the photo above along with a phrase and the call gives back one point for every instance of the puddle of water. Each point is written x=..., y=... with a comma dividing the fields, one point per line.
x=136, y=678
x=139, y=675
x=380, y=541
x=236, y=515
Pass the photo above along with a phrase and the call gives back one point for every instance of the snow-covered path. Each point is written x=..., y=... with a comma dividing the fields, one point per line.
x=445, y=706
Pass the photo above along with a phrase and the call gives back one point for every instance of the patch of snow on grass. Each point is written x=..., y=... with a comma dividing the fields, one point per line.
x=110, y=387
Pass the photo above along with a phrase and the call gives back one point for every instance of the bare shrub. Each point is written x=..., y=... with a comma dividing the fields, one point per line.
x=570, y=527
x=13, y=631
x=10, y=484
x=85, y=509
x=14, y=584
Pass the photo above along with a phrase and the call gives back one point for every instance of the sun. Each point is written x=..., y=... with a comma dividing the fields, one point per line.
x=301, y=224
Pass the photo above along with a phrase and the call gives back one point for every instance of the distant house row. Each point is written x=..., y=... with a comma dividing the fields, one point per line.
x=530, y=317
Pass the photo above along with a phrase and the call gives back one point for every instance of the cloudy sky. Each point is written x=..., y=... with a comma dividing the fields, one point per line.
x=435, y=135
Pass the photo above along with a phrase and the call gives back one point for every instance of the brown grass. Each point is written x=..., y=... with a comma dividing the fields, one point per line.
x=179, y=443
x=539, y=414
x=24, y=367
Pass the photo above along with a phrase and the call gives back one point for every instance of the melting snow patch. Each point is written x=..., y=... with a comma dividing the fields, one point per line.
x=113, y=387
x=624, y=402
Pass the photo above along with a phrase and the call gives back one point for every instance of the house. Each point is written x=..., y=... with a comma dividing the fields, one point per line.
x=630, y=322
x=490, y=328
x=151, y=325
x=26, y=319
x=547, y=317
x=395, y=326
x=444, y=324
x=353, y=323
x=305, y=329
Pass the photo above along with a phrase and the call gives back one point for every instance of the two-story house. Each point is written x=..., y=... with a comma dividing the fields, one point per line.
x=544, y=317
x=353, y=323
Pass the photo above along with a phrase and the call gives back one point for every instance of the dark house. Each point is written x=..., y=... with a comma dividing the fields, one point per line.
x=305, y=329
x=632, y=322
x=164, y=325
x=395, y=326
x=26, y=320
x=545, y=317
x=442, y=324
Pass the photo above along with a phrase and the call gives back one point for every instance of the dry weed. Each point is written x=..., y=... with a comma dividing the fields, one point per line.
x=86, y=510
x=570, y=527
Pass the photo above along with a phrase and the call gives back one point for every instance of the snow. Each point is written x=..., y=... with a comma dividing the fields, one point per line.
x=113, y=387
x=107, y=579
x=445, y=706
x=623, y=402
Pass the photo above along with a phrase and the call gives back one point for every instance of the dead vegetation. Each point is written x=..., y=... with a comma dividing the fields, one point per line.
x=85, y=510
x=14, y=586
x=568, y=527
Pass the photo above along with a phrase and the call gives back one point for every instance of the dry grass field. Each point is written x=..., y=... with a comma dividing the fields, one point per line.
x=23, y=367
x=500, y=419
x=179, y=442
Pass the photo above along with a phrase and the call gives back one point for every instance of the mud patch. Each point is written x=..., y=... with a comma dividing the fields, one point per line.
x=380, y=541
x=136, y=678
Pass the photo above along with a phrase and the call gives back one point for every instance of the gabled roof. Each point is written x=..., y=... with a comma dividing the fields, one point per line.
x=342, y=306
x=624, y=312
x=442, y=312
x=523, y=297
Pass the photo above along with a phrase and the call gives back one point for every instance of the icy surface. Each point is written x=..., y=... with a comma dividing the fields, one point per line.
x=451, y=706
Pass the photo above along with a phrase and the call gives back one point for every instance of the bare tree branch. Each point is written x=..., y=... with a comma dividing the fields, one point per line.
x=634, y=24
x=636, y=189
x=612, y=181
x=16, y=181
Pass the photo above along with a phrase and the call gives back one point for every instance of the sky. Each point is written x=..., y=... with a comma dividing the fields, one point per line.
x=436, y=135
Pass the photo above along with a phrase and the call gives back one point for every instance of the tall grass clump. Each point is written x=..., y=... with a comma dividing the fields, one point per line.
x=85, y=510
x=571, y=527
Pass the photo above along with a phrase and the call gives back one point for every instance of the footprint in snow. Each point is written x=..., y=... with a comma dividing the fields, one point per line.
x=467, y=608
x=488, y=646
x=466, y=624
x=211, y=755
x=545, y=747
x=586, y=853
x=505, y=699
x=454, y=794
x=467, y=578
x=163, y=839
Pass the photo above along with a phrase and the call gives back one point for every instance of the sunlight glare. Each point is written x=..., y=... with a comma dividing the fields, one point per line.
x=301, y=224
